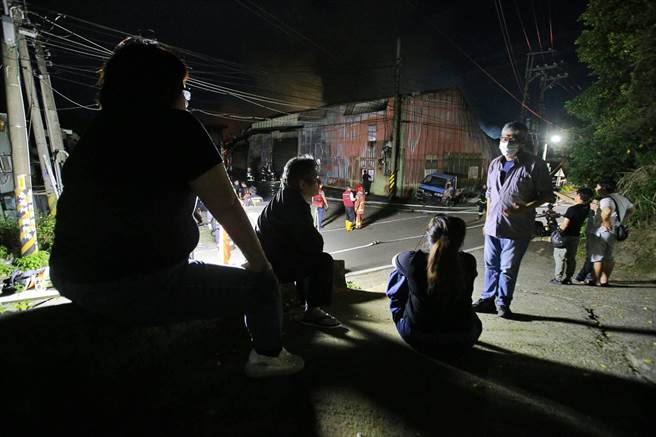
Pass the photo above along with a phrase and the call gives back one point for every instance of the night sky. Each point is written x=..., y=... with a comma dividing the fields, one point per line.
x=310, y=53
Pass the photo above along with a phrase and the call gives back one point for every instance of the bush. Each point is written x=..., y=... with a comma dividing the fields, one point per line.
x=4, y=253
x=32, y=262
x=639, y=187
x=5, y=270
x=45, y=231
x=10, y=235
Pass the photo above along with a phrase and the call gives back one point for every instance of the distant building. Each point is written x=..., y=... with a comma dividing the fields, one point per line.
x=438, y=133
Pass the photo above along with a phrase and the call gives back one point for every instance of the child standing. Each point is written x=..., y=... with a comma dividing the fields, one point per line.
x=431, y=292
x=570, y=227
x=359, y=208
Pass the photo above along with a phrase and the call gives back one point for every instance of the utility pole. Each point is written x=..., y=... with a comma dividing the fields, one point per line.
x=37, y=121
x=548, y=75
x=396, y=149
x=18, y=135
x=52, y=119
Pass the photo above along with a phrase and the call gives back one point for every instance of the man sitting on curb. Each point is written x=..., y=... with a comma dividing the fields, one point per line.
x=294, y=246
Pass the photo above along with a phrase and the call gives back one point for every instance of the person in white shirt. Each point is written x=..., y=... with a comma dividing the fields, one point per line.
x=613, y=210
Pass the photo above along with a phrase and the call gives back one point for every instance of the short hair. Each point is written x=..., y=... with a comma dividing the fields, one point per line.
x=141, y=74
x=297, y=169
x=585, y=194
x=607, y=185
x=519, y=131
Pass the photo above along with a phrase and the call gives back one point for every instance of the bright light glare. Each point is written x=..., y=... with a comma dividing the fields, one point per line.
x=556, y=138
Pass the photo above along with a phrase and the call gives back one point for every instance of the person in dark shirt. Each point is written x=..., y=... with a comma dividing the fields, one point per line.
x=366, y=181
x=293, y=244
x=431, y=293
x=125, y=226
x=570, y=227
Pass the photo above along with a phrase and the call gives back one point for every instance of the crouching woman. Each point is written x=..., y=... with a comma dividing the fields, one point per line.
x=431, y=293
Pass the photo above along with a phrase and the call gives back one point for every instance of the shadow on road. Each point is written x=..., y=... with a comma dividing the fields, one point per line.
x=520, y=317
x=372, y=215
x=103, y=382
x=491, y=391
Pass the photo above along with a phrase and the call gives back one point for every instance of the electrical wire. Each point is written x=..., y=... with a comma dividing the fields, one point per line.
x=104, y=49
x=483, y=70
x=506, y=41
x=521, y=22
x=551, y=35
x=71, y=100
x=279, y=24
x=229, y=116
x=537, y=28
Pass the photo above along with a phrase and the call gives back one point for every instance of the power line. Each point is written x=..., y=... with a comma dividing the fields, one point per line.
x=506, y=41
x=521, y=22
x=466, y=55
x=279, y=24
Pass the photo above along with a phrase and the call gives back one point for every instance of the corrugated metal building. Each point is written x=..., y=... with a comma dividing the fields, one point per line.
x=438, y=133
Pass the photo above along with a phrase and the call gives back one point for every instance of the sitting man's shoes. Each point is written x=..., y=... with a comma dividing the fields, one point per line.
x=566, y=281
x=263, y=366
x=318, y=318
x=484, y=306
x=555, y=281
x=504, y=312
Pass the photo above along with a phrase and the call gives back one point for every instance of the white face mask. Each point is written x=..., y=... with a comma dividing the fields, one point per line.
x=508, y=150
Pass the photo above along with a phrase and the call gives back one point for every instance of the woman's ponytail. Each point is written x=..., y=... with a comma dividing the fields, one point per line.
x=437, y=250
x=445, y=235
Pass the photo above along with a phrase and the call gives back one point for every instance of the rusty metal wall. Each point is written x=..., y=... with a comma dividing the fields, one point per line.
x=438, y=132
x=340, y=142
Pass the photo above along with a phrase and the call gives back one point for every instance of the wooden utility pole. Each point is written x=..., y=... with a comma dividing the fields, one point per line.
x=50, y=109
x=396, y=149
x=18, y=135
x=547, y=75
x=37, y=122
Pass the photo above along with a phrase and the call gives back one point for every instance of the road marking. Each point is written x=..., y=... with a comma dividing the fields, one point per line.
x=376, y=223
x=390, y=266
x=376, y=242
x=473, y=209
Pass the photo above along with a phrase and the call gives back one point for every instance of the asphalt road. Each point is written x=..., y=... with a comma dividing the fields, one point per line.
x=388, y=229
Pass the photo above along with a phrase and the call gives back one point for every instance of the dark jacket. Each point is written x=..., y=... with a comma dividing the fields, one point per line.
x=286, y=230
x=426, y=312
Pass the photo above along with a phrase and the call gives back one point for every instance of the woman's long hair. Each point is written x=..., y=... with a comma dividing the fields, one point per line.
x=445, y=235
x=141, y=75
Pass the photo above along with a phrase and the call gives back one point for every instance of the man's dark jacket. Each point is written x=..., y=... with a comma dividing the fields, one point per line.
x=287, y=233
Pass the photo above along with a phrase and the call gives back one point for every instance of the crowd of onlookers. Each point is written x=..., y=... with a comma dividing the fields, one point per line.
x=430, y=290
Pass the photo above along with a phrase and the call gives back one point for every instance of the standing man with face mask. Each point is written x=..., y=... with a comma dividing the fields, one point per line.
x=517, y=182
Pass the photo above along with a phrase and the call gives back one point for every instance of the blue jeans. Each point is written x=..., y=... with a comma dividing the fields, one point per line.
x=320, y=213
x=187, y=291
x=502, y=259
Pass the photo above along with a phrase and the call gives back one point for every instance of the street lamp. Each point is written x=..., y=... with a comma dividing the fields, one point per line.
x=555, y=139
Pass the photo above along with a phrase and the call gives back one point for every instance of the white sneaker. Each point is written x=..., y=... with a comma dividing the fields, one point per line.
x=262, y=366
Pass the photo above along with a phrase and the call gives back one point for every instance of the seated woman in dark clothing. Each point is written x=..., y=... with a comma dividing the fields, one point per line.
x=431, y=293
x=138, y=171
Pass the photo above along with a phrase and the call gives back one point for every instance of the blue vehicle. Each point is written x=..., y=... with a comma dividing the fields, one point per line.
x=433, y=186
